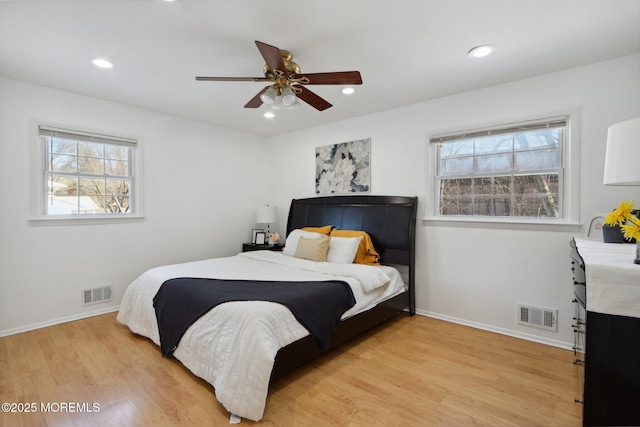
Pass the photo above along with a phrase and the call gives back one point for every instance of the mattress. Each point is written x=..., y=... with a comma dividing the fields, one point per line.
x=233, y=347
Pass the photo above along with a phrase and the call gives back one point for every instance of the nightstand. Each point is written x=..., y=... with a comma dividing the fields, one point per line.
x=247, y=247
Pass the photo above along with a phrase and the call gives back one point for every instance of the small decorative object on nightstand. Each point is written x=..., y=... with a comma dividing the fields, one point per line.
x=274, y=238
x=260, y=238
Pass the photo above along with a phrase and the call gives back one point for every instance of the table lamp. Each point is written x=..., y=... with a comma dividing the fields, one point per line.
x=622, y=161
x=267, y=215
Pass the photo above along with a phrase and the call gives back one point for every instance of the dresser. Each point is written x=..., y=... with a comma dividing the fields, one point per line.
x=606, y=286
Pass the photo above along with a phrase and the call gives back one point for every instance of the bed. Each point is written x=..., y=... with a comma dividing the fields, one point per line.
x=239, y=347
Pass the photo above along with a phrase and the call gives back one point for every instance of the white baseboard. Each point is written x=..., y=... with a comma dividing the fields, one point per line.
x=503, y=331
x=57, y=321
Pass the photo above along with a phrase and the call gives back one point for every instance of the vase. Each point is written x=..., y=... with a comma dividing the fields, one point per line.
x=612, y=234
x=637, y=260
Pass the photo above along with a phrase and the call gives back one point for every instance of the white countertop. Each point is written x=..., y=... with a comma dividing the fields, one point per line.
x=613, y=280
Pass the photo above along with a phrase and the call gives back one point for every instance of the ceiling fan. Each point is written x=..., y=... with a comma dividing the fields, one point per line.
x=287, y=83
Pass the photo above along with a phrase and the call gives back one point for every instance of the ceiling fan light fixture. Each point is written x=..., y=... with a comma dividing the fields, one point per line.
x=288, y=98
x=348, y=90
x=481, y=51
x=269, y=115
x=269, y=96
x=293, y=106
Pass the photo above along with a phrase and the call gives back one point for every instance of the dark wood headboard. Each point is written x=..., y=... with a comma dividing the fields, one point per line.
x=389, y=220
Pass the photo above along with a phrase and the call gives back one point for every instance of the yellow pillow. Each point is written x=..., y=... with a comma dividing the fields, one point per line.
x=366, y=252
x=322, y=230
x=313, y=249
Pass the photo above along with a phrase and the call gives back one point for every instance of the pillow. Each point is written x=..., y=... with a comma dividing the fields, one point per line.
x=366, y=252
x=342, y=250
x=292, y=240
x=313, y=249
x=322, y=230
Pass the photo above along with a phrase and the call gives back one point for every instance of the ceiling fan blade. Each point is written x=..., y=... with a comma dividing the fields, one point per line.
x=336, y=78
x=272, y=56
x=311, y=98
x=256, y=101
x=232, y=79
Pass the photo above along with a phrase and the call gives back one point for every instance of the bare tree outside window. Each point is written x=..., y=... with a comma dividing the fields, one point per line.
x=86, y=176
x=503, y=173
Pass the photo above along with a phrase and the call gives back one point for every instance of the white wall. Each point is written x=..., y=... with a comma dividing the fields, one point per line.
x=477, y=275
x=202, y=186
x=471, y=275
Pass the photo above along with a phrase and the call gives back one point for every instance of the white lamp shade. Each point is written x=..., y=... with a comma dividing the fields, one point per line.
x=622, y=161
x=267, y=214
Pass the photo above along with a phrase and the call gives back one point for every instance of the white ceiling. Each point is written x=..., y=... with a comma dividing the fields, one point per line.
x=407, y=51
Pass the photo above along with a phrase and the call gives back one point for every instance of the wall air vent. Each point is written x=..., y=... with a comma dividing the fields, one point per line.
x=96, y=295
x=539, y=317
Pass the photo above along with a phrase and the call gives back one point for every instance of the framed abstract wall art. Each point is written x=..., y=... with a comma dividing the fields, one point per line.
x=344, y=167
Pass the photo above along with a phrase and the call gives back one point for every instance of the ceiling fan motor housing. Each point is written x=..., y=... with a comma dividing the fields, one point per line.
x=291, y=67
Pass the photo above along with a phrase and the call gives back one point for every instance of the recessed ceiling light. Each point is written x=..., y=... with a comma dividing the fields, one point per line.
x=348, y=90
x=102, y=63
x=481, y=51
x=269, y=115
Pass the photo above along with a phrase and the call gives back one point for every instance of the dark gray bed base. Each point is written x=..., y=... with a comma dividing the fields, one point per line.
x=391, y=223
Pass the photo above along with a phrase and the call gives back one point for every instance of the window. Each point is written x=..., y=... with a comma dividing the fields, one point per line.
x=85, y=175
x=514, y=171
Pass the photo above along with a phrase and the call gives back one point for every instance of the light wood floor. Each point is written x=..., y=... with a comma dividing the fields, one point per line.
x=414, y=371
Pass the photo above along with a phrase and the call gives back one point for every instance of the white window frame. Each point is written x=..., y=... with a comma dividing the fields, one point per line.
x=39, y=177
x=568, y=179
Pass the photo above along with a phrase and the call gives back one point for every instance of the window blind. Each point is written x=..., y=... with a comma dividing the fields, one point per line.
x=550, y=123
x=86, y=136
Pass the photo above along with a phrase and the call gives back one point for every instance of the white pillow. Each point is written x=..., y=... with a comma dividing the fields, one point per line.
x=292, y=240
x=342, y=250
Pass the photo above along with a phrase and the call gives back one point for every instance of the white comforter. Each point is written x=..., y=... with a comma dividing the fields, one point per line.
x=233, y=347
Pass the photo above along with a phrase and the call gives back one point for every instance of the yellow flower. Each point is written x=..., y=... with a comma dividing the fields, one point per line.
x=632, y=229
x=623, y=216
x=620, y=215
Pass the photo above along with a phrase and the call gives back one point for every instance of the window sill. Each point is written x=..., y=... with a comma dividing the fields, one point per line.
x=85, y=220
x=503, y=223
